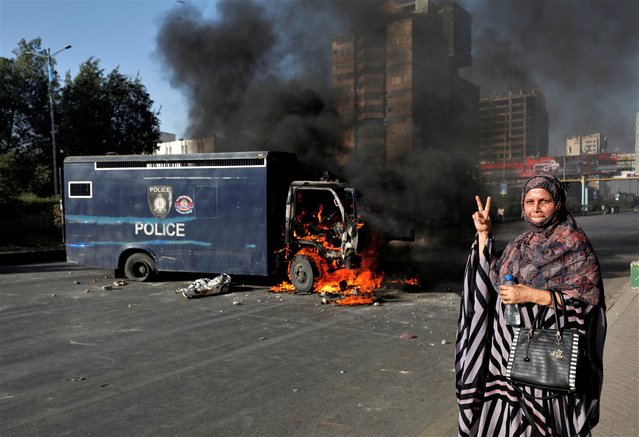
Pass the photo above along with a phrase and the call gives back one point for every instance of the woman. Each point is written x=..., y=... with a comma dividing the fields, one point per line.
x=554, y=256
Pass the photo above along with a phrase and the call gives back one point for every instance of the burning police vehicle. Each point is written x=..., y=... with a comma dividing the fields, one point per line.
x=235, y=213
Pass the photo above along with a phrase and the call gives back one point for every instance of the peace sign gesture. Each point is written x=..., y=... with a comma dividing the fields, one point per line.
x=481, y=218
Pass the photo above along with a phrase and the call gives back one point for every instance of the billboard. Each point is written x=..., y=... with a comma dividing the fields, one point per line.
x=603, y=164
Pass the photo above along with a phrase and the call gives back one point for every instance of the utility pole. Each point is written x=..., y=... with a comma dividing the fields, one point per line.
x=48, y=59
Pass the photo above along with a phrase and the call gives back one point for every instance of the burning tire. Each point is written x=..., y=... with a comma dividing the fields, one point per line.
x=140, y=267
x=302, y=273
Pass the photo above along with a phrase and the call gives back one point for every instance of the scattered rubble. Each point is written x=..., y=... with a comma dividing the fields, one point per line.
x=77, y=379
x=206, y=287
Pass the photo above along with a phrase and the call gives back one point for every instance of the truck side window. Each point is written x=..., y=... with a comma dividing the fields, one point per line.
x=81, y=190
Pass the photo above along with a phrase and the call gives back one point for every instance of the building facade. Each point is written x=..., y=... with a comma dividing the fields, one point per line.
x=513, y=126
x=396, y=83
x=165, y=137
x=185, y=146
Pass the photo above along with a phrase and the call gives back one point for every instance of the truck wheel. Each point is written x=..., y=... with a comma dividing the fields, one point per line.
x=139, y=267
x=302, y=273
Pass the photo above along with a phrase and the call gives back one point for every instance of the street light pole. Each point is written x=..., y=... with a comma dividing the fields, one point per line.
x=50, y=89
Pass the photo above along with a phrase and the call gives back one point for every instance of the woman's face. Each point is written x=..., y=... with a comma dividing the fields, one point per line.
x=538, y=205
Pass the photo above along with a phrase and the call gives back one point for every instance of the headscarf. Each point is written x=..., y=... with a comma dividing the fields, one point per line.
x=557, y=190
x=556, y=254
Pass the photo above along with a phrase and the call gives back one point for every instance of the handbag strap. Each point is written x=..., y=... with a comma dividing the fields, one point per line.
x=524, y=409
x=558, y=334
x=539, y=317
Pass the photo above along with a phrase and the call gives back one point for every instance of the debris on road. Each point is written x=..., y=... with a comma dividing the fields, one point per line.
x=407, y=336
x=77, y=379
x=206, y=287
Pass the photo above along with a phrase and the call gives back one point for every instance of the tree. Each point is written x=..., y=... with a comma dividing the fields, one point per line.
x=93, y=114
x=24, y=118
x=24, y=99
x=106, y=114
x=135, y=127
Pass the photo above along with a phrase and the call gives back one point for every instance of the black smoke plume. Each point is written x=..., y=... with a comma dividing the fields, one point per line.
x=257, y=75
x=583, y=55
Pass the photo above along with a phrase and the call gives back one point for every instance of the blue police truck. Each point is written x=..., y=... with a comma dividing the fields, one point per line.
x=237, y=213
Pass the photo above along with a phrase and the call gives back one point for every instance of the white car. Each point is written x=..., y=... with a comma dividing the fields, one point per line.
x=546, y=166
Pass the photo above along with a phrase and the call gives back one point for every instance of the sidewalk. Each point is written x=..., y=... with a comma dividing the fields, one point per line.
x=620, y=395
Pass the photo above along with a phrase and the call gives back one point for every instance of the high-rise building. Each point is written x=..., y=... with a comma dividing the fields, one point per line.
x=396, y=83
x=513, y=126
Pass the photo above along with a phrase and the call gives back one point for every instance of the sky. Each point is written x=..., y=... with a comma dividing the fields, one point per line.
x=121, y=34
x=582, y=54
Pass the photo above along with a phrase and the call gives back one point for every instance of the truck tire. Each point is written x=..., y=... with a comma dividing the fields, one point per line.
x=140, y=267
x=302, y=273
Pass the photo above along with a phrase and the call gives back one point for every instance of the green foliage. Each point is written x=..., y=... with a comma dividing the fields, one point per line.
x=93, y=113
x=22, y=173
x=32, y=222
x=29, y=203
x=9, y=184
x=102, y=114
x=24, y=102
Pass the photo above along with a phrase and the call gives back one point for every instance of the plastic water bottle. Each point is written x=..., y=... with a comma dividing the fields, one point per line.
x=511, y=311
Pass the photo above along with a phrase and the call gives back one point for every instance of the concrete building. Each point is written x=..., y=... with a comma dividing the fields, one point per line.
x=396, y=83
x=191, y=145
x=513, y=126
x=585, y=145
x=165, y=137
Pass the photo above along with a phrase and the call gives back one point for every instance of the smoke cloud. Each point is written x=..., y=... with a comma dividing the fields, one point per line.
x=257, y=75
x=583, y=55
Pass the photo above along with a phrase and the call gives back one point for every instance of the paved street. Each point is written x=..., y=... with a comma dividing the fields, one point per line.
x=141, y=360
x=78, y=359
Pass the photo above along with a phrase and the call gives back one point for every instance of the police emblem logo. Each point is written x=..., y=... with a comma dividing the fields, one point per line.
x=160, y=200
x=184, y=205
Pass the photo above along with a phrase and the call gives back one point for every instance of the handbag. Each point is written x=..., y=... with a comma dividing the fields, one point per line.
x=545, y=358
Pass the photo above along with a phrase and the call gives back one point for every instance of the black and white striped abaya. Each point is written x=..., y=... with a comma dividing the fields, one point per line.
x=488, y=405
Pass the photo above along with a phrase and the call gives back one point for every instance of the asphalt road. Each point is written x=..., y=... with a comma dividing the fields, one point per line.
x=139, y=359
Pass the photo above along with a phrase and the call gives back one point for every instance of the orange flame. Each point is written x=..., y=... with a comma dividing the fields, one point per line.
x=412, y=282
x=355, y=286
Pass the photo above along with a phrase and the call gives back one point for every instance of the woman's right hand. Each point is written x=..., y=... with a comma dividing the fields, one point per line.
x=481, y=218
